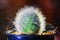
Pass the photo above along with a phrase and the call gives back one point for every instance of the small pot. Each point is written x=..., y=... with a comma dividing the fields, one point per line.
x=30, y=37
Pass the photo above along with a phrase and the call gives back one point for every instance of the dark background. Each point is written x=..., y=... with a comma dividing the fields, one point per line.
x=8, y=9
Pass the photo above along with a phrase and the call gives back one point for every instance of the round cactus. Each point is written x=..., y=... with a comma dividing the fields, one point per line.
x=29, y=20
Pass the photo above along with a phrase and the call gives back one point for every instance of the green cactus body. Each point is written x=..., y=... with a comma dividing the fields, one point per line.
x=28, y=26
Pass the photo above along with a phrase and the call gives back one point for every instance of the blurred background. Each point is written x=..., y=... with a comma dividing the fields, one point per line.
x=8, y=9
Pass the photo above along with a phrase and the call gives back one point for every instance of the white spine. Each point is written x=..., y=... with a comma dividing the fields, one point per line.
x=25, y=10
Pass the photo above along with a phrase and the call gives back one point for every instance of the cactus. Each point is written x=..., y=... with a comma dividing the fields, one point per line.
x=29, y=20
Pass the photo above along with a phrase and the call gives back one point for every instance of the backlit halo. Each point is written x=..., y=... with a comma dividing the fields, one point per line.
x=26, y=20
